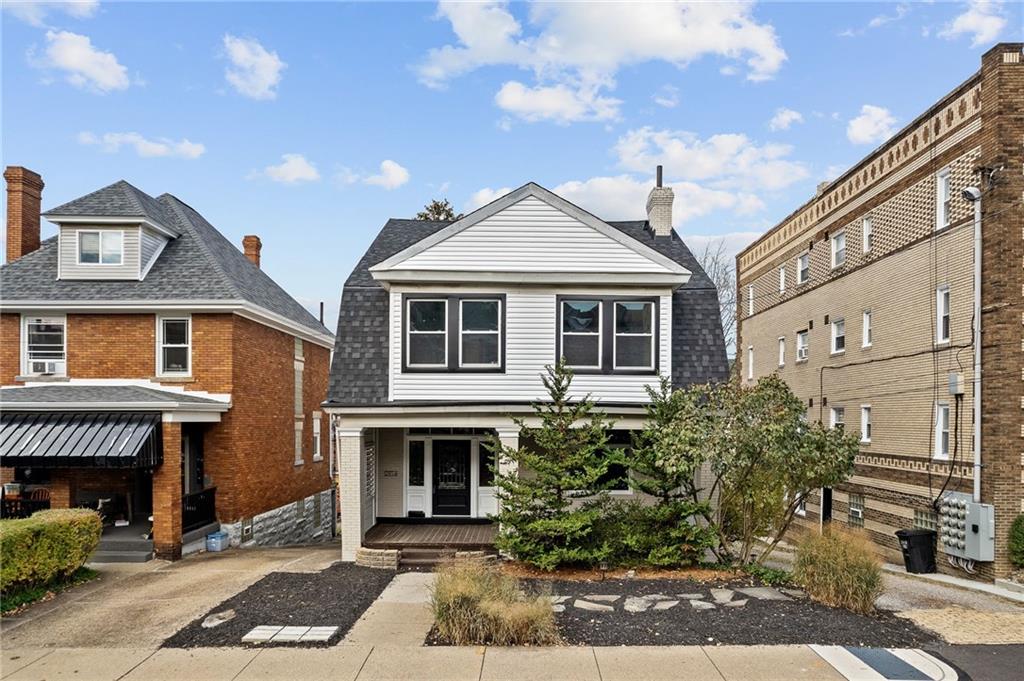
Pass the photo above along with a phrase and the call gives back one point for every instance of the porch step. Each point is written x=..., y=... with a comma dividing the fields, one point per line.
x=429, y=557
x=121, y=556
x=125, y=545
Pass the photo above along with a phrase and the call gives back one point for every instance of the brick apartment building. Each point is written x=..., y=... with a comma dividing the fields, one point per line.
x=151, y=369
x=864, y=301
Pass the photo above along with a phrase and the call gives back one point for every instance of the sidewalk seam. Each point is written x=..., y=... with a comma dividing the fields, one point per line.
x=596, y=663
x=483, y=658
x=717, y=670
x=151, y=654
x=361, y=666
x=44, y=655
x=246, y=665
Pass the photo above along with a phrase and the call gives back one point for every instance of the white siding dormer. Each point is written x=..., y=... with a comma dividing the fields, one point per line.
x=151, y=247
x=72, y=266
x=530, y=344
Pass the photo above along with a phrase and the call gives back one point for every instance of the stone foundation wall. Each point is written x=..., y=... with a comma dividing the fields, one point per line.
x=306, y=521
x=385, y=559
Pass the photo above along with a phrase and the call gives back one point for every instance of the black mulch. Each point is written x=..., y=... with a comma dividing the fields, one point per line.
x=336, y=596
x=758, y=622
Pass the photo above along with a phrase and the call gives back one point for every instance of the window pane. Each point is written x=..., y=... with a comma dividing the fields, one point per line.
x=480, y=348
x=175, y=360
x=45, y=341
x=175, y=332
x=480, y=315
x=580, y=351
x=416, y=463
x=486, y=462
x=89, y=247
x=426, y=315
x=111, y=248
x=426, y=348
x=633, y=351
x=581, y=316
x=633, y=317
x=615, y=478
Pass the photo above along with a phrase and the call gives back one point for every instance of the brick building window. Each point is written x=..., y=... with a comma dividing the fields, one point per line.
x=865, y=340
x=865, y=423
x=942, y=430
x=45, y=353
x=300, y=363
x=750, y=363
x=801, y=346
x=867, y=234
x=317, y=446
x=782, y=279
x=856, y=514
x=942, y=199
x=838, y=336
x=803, y=268
x=782, y=351
x=942, y=314
x=925, y=520
x=174, y=341
x=838, y=249
x=750, y=300
x=838, y=419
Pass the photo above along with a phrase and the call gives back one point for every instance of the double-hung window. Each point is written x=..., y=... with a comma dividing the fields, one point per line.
x=803, y=268
x=633, y=344
x=838, y=336
x=782, y=351
x=838, y=417
x=582, y=333
x=838, y=241
x=865, y=423
x=941, y=430
x=45, y=350
x=426, y=343
x=942, y=314
x=865, y=329
x=480, y=333
x=801, y=346
x=867, y=234
x=174, y=346
x=100, y=247
x=750, y=363
x=750, y=300
x=782, y=279
x=942, y=199
x=317, y=445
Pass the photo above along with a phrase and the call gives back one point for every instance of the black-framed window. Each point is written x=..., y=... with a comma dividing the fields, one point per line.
x=608, y=334
x=456, y=333
x=416, y=467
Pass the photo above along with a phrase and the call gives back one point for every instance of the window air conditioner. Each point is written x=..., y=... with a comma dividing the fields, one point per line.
x=856, y=512
x=44, y=368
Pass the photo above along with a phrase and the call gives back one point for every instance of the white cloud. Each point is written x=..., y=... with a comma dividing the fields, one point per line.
x=832, y=172
x=482, y=197
x=34, y=12
x=559, y=103
x=391, y=175
x=113, y=141
x=84, y=65
x=254, y=72
x=725, y=161
x=576, y=49
x=874, y=124
x=667, y=96
x=784, y=118
x=294, y=168
x=983, y=20
x=902, y=9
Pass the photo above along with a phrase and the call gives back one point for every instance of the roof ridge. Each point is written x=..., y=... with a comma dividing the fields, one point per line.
x=187, y=222
x=132, y=192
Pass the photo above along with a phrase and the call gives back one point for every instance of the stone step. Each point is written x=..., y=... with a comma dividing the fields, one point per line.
x=116, y=545
x=121, y=556
x=427, y=557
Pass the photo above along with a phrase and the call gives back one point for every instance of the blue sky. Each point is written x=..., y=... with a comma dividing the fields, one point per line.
x=310, y=124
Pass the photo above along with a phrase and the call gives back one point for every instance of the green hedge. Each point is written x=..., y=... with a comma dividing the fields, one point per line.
x=1016, y=544
x=50, y=545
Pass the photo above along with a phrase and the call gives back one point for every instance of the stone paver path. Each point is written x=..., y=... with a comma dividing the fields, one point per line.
x=282, y=634
x=698, y=601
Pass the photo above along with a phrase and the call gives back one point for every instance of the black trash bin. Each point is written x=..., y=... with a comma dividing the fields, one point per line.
x=918, y=550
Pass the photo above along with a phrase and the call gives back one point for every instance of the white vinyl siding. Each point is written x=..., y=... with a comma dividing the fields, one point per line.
x=531, y=236
x=530, y=336
x=69, y=268
x=150, y=247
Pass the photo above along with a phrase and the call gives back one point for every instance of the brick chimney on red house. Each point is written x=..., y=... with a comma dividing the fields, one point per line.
x=24, y=196
x=252, y=245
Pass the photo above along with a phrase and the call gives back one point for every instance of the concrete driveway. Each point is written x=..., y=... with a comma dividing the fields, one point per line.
x=138, y=606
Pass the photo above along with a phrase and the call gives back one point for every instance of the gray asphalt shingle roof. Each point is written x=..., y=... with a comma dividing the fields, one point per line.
x=11, y=397
x=359, y=373
x=201, y=264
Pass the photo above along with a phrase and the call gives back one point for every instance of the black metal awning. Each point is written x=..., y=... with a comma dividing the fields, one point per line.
x=80, y=439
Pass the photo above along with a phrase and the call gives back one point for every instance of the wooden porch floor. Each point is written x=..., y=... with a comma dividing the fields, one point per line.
x=468, y=537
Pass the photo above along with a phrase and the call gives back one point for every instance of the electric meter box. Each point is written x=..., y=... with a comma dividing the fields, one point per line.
x=966, y=527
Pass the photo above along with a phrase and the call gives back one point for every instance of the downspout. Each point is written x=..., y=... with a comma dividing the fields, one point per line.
x=977, y=350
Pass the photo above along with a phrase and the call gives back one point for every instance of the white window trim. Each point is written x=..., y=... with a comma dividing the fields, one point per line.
x=835, y=251
x=317, y=441
x=616, y=334
x=409, y=332
x=806, y=346
x=940, y=293
x=750, y=300
x=801, y=505
x=942, y=219
x=782, y=351
x=867, y=231
x=490, y=365
x=600, y=331
x=23, y=354
x=833, y=421
x=160, y=319
x=99, y=233
x=939, y=408
x=799, y=271
x=835, y=336
x=750, y=362
x=782, y=279
x=866, y=330
x=865, y=423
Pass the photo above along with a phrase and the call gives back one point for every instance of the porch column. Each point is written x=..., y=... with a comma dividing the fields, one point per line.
x=167, y=496
x=352, y=488
x=509, y=437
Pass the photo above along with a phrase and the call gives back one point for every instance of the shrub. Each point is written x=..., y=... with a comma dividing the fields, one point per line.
x=474, y=603
x=1016, y=543
x=49, y=546
x=659, y=533
x=839, y=568
x=769, y=576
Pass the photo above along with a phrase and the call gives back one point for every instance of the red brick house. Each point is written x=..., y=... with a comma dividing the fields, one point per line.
x=151, y=369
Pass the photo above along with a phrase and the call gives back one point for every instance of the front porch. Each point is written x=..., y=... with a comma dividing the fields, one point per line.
x=432, y=535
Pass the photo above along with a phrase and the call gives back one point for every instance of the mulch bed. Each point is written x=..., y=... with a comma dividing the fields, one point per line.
x=797, y=621
x=336, y=596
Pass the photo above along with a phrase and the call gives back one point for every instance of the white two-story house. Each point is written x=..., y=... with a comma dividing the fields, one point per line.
x=445, y=329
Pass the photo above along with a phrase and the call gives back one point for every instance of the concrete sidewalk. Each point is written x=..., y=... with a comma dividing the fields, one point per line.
x=374, y=663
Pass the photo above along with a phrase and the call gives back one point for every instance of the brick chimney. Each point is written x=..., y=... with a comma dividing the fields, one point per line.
x=252, y=245
x=659, y=208
x=24, y=195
